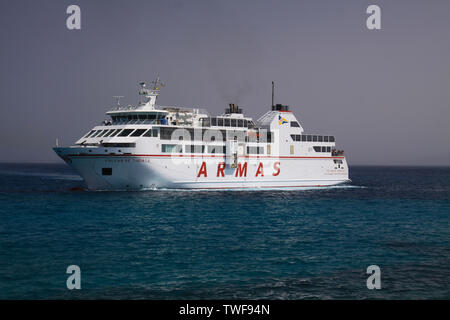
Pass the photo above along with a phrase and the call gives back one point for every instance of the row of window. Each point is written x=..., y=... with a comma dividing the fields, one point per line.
x=186, y=134
x=138, y=118
x=189, y=134
x=119, y=145
x=226, y=122
x=201, y=149
x=122, y=133
x=322, y=149
x=311, y=138
x=177, y=148
x=205, y=122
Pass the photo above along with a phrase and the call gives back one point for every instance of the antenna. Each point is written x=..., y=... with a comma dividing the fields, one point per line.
x=118, y=99
x=157, y=84
x=273, y=89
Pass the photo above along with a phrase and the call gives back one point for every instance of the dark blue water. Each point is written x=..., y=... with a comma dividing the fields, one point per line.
x=228, y=244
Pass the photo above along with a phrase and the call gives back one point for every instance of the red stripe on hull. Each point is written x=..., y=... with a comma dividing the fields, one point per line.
x=193, y=156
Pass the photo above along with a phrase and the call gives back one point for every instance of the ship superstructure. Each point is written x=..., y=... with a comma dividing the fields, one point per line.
x=148, y=146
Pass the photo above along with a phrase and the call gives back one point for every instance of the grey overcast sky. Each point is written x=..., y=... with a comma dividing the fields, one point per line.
x=384, y=94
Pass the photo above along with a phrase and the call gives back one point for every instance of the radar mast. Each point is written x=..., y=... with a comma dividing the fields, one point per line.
x=150, y=94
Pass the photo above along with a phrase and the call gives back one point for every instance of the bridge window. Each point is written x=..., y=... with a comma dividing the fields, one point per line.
x=331, y=139
x=96, y=134
x=226, y=122
x=138, y=132
x=89, y=134
x=220, y=122
x=325, y=139
x=233, y=122
x=114, y=133
x=320, y=138
x=108, y=133
x=125, y=132
x=295, y=124
x=102, y=134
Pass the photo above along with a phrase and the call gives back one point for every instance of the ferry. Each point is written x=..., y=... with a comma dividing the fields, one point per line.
x=149, y=146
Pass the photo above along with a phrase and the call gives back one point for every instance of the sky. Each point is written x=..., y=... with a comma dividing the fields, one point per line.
x=384, y=94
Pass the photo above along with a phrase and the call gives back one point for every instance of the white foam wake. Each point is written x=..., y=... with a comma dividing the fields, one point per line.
x=45, y=175
x=258, y=189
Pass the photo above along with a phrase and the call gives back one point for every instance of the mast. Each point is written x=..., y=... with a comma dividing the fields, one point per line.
x=150, y=94
x=273, y=89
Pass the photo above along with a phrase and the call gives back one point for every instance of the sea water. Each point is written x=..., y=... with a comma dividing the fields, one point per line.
x=257, y=244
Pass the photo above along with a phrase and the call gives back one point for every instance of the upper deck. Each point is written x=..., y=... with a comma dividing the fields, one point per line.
x=135, y=125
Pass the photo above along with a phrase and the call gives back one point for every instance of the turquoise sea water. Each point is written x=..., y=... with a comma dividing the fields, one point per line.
x=225, y=244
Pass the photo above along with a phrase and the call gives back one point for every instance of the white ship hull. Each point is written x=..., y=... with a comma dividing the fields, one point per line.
x=140, y=172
